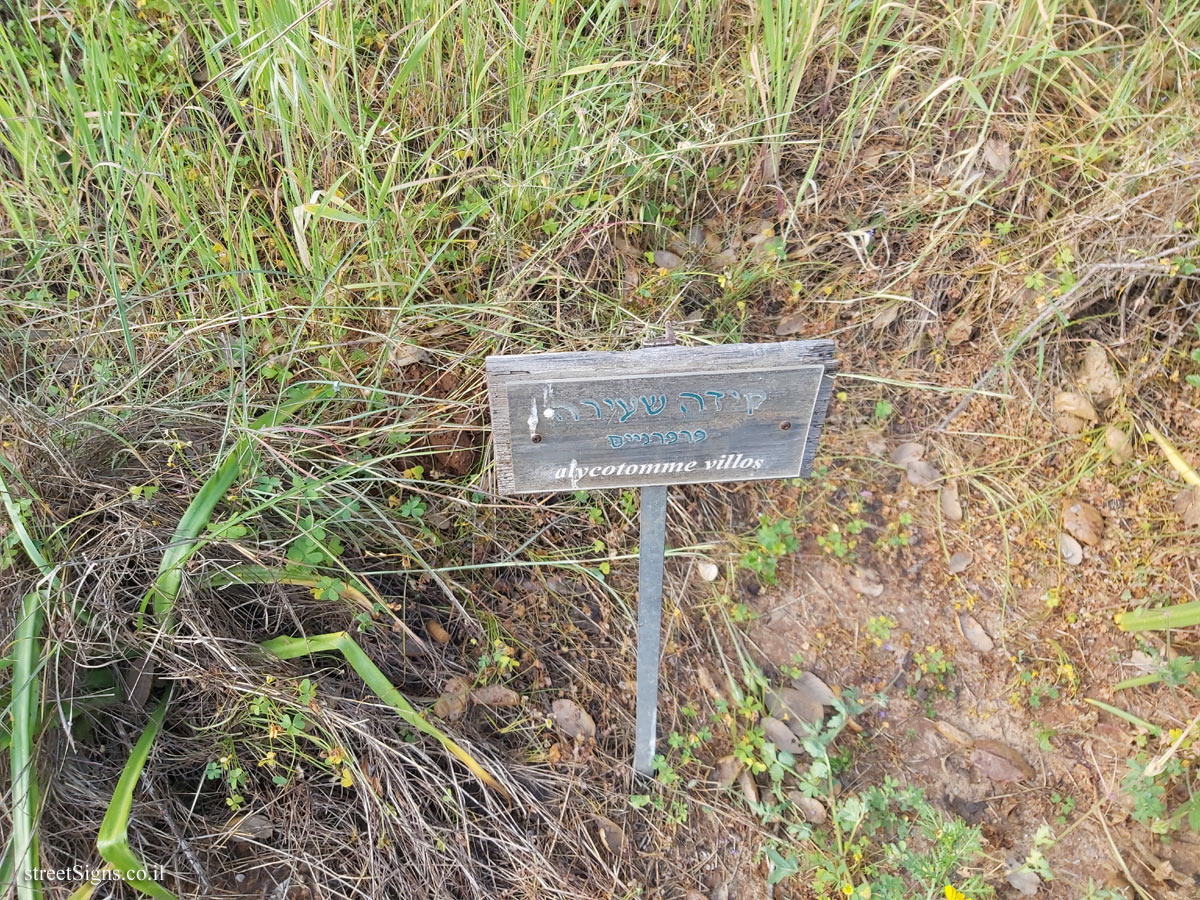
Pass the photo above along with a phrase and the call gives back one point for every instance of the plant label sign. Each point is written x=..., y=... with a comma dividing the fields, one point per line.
x=657, y=416
x=651, y=418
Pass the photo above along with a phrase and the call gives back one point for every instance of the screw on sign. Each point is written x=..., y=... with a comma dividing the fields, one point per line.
x=648, y=419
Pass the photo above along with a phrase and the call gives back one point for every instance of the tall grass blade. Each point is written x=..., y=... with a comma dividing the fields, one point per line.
x=83, y=892
x=25, y=708
x=1178, y=463
x=416, y=52
x=25, y=703
x=271, y=575
x=113, y=840
x=1148, y=679
x=1181, y=615
x=191, y=525
x=1150, y=728
x=341, y=642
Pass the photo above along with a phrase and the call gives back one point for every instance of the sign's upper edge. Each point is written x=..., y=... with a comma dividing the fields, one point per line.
x=663, y=360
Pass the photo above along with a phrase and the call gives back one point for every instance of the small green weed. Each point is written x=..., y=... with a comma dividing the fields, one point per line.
x=879, y=628
x=739, y=612
x=413, y=508
x=834, y=543
x=674, y=809
x=1193, y=379
x=1096, y=892
x=1045, y=736
x=773, y=540
x=1165, y=788
x=795, y=668
x=898, y=533
x=841, y=539
x=1063, y=807
x=1036, y=861
x=225, y=767
x=1038, y=685
x=883, y=841
x=279, y=738
x=497, y=664
x=591, y=509
x=1167, y=800
x=932, y=678
x=886, y=841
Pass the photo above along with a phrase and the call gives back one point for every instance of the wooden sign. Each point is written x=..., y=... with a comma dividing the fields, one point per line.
x=651, y=418
x=658, y=416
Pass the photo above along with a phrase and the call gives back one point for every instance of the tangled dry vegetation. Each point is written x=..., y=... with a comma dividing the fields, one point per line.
x=271, y=630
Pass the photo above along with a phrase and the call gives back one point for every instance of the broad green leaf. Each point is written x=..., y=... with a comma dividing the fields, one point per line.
x=25, y=703
x=113, y=840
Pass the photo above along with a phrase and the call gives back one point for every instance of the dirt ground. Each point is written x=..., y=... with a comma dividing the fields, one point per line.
x=823, y=618
x=1020, y=688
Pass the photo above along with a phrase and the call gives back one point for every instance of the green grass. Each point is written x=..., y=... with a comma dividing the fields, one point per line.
x=212, y=208
x=285, y=169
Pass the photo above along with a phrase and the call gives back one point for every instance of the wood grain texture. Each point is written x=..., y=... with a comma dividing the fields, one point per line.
x=660, y=415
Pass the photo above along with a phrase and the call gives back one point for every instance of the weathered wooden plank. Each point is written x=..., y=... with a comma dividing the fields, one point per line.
x=663, y=360
x=817, y=423
x=661, y=415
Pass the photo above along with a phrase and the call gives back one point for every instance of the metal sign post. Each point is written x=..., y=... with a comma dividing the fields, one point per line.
x=651, y=553
x=650, y=418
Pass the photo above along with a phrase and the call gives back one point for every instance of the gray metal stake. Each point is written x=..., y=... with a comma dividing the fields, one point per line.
x=651, y=551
